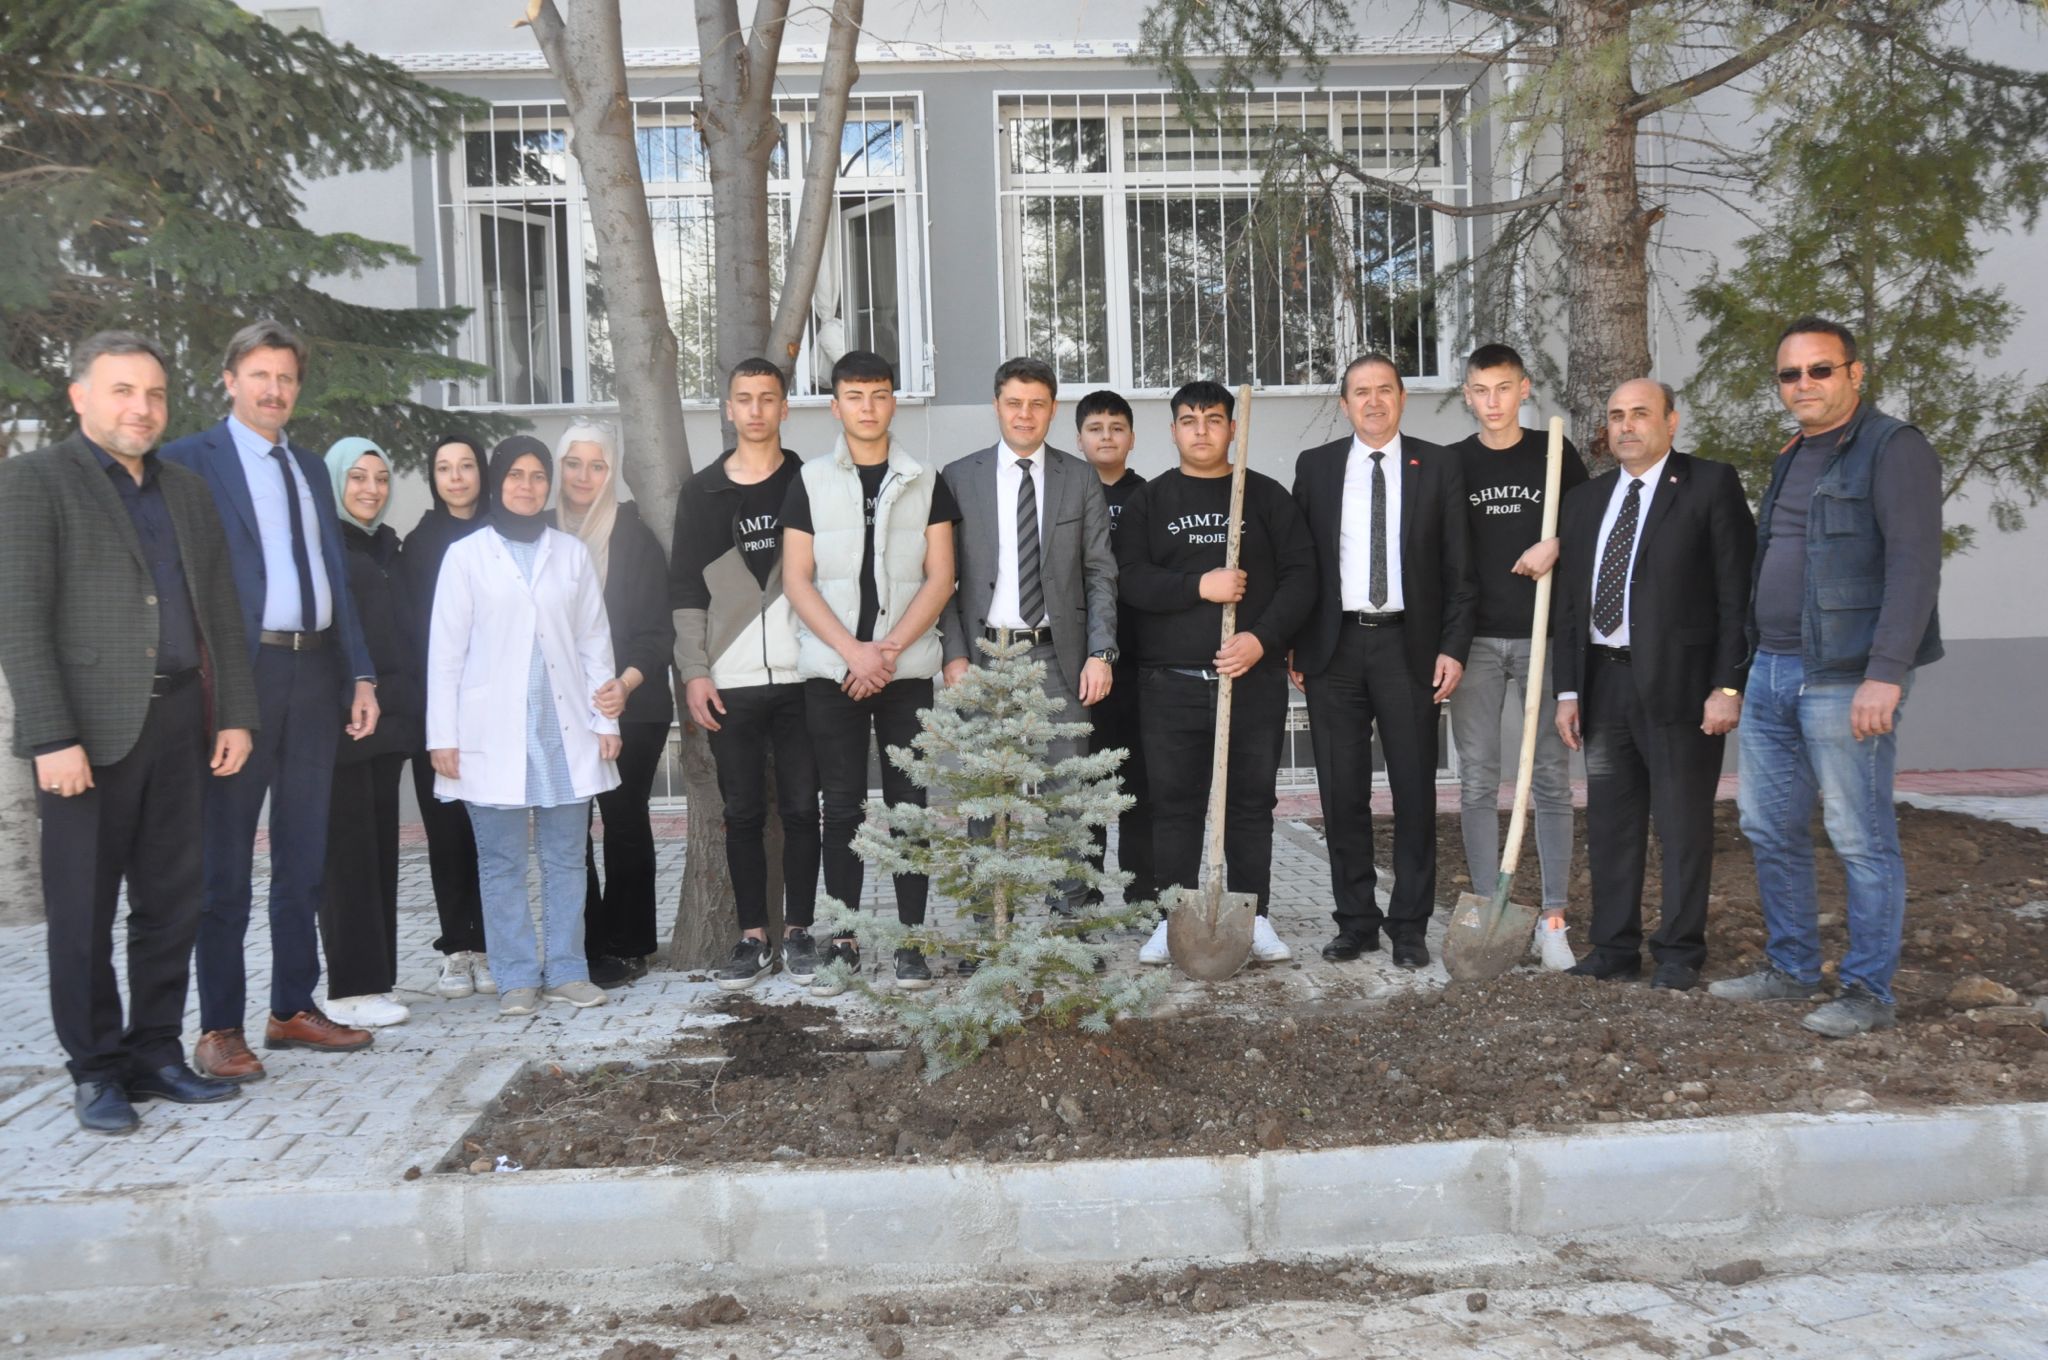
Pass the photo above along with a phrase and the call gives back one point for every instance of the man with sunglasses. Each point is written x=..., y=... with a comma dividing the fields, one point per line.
x=1842, y=611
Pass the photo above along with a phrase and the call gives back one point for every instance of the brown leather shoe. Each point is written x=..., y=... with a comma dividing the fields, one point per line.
x=223, y=1053
x=311, y=1029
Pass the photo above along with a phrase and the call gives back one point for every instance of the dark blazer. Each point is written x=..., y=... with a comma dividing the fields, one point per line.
x=1077, y=565
x=384, y=603
x=78, y=611
x=1438, y=596
x=643, y=626
x=1688, y=595
x=211, y=453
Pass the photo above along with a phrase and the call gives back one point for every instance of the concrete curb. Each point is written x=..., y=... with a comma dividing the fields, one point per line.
x=970, y=1218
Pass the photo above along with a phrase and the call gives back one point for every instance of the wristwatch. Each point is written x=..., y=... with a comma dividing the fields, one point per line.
x=1108, y=654
x=1731, y=693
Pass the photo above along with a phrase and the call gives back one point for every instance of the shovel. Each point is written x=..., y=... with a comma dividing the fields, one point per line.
x=1486, y=937
x=1209, y=931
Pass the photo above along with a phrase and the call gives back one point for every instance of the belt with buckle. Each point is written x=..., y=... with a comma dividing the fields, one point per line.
x=1366, y=618
x=294, y=642
x=162, y=686
x=1618, y=655
x=1037, y=637
x=1192, y=673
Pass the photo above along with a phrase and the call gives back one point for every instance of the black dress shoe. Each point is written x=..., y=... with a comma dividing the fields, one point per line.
x=1411, y=954
x=1605, y=967
x=1347, y=946
x=175, y=1081
x=102, y=1108
x=610, y=971
x=1675, y=977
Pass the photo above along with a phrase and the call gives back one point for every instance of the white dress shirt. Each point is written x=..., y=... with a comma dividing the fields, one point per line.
x=1004, y=609
x=1354, y=531
x=281, y=610
x=1650, y=478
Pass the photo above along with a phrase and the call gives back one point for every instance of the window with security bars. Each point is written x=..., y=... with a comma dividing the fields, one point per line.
x=1143, y=249
x=518, y=250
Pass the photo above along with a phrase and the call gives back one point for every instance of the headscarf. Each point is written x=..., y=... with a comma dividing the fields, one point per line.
x=595, y=525
x=344, y=454
x=524, y=528
x=476, y=449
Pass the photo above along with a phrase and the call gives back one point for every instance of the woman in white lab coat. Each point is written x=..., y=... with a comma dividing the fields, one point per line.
x=522, y=722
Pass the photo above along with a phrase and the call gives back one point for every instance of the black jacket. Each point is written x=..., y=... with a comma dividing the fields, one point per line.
x=1437, y=593
x=1688, y=594
x=643, y=629
x=384, y=604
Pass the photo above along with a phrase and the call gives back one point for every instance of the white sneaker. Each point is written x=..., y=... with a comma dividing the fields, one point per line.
x=1551, y=943
x=1268, y=947
x=366, y=1012
x=480, y=969
x=1154, y=950
x=455, y=981
x=581, y=993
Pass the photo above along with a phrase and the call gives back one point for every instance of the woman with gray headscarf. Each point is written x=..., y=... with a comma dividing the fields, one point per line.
x=359, y=909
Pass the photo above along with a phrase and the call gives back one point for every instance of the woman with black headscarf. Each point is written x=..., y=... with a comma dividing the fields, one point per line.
x=456, y=479
x=522, y=722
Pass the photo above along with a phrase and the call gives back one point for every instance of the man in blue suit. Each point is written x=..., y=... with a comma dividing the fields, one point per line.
x=313, y=672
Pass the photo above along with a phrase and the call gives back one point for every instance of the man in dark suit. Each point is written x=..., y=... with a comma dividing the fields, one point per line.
x=1032, y=553
x=118, y=618
x=1386, y=644
x=1653, y=586
x=276, y=502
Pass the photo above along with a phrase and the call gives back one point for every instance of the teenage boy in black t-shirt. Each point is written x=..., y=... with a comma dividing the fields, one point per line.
x=1107, y=434
x=736, y=656
x=1170, y=546
x=1504, y=477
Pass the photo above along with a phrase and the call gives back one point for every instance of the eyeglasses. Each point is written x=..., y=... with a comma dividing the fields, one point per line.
x=1817, y=372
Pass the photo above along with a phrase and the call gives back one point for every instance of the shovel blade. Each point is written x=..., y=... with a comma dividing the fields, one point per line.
x=1209, y=931
x=1484, y=940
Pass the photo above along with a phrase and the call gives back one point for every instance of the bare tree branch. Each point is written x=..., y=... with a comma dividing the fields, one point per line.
x=1414, y=197
x=1678, y=91
x=1534, y=18
x=820, y=174
x=764, y=52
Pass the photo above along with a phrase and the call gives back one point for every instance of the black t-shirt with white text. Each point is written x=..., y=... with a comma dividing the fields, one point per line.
x=796, y=514
x=1118, y=493
x=757, y=533
x=1504, y=507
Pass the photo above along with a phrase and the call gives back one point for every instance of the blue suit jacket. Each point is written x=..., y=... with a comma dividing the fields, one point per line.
x=211, y=453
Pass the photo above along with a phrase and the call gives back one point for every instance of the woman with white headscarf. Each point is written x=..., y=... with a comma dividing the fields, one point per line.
x=359, y=910
x=619, y=925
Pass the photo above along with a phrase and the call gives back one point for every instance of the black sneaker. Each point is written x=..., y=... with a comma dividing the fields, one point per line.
x=750, y=962
x=913, y=974
x=610, y=971
x=839, y=951
x=800, y=957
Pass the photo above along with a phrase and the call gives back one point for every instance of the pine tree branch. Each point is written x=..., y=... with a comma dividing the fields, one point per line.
x=1678, y=91
x=821, y=171
x=1406, y=193
x=1533, y=18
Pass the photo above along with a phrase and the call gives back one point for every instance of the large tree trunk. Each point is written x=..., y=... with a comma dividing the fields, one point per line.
x=21, y=881
x=1606, y=232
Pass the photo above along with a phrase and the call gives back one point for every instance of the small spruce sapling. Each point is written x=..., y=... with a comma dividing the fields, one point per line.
x=1009, y=831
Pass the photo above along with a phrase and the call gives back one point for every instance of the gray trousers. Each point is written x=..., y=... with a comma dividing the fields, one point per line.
x=1068, y=894
x=1476, y=707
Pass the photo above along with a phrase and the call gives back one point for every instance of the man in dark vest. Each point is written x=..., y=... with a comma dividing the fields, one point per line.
x=1841, y=613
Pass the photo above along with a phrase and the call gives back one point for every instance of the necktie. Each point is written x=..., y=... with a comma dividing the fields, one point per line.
x=309, y=614
x=1030, y=589
x=1377, y=588
x=1611, y=589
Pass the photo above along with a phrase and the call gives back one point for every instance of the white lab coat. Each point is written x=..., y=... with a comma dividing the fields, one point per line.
x=480, y=646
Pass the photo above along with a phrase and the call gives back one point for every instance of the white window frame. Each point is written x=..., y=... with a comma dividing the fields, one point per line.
x=1116, y=188
x=458, y=206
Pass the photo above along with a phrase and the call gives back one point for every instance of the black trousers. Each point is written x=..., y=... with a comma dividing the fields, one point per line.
x=1368, y=683
x=359, y=906
x=1116, y=726
x=1178, y=720
x=1637, y=769
x=764, y=724
x=141, y=820
x=618, y=913
x=451, y=862
x=839, y=727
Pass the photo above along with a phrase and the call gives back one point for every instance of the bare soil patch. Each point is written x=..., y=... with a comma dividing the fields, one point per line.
x=1532, y=1051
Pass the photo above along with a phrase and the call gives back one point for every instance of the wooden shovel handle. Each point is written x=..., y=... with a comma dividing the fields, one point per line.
x=1539, y=651
x=1219, y=760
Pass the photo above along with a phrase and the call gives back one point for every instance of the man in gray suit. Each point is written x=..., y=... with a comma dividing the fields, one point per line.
x=1032, y=551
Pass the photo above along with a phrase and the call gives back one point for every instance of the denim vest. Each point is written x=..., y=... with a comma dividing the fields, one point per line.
x=1844, y=555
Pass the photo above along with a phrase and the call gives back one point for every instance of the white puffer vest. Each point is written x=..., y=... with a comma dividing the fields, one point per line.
x=839, y=534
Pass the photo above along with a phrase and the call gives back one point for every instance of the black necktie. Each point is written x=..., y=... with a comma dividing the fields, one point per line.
x=309, y=614
x=1377, y=582
x=1030, y=589
x=1611, y=590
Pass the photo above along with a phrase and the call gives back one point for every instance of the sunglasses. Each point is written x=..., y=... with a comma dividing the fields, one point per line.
x=1817, y=372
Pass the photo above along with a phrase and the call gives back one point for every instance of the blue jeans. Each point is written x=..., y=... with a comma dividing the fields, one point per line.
x=501, y=838
x=1795, y=743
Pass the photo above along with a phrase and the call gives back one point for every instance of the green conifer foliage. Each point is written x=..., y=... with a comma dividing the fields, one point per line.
x=152, y=154
x=1006, y=829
